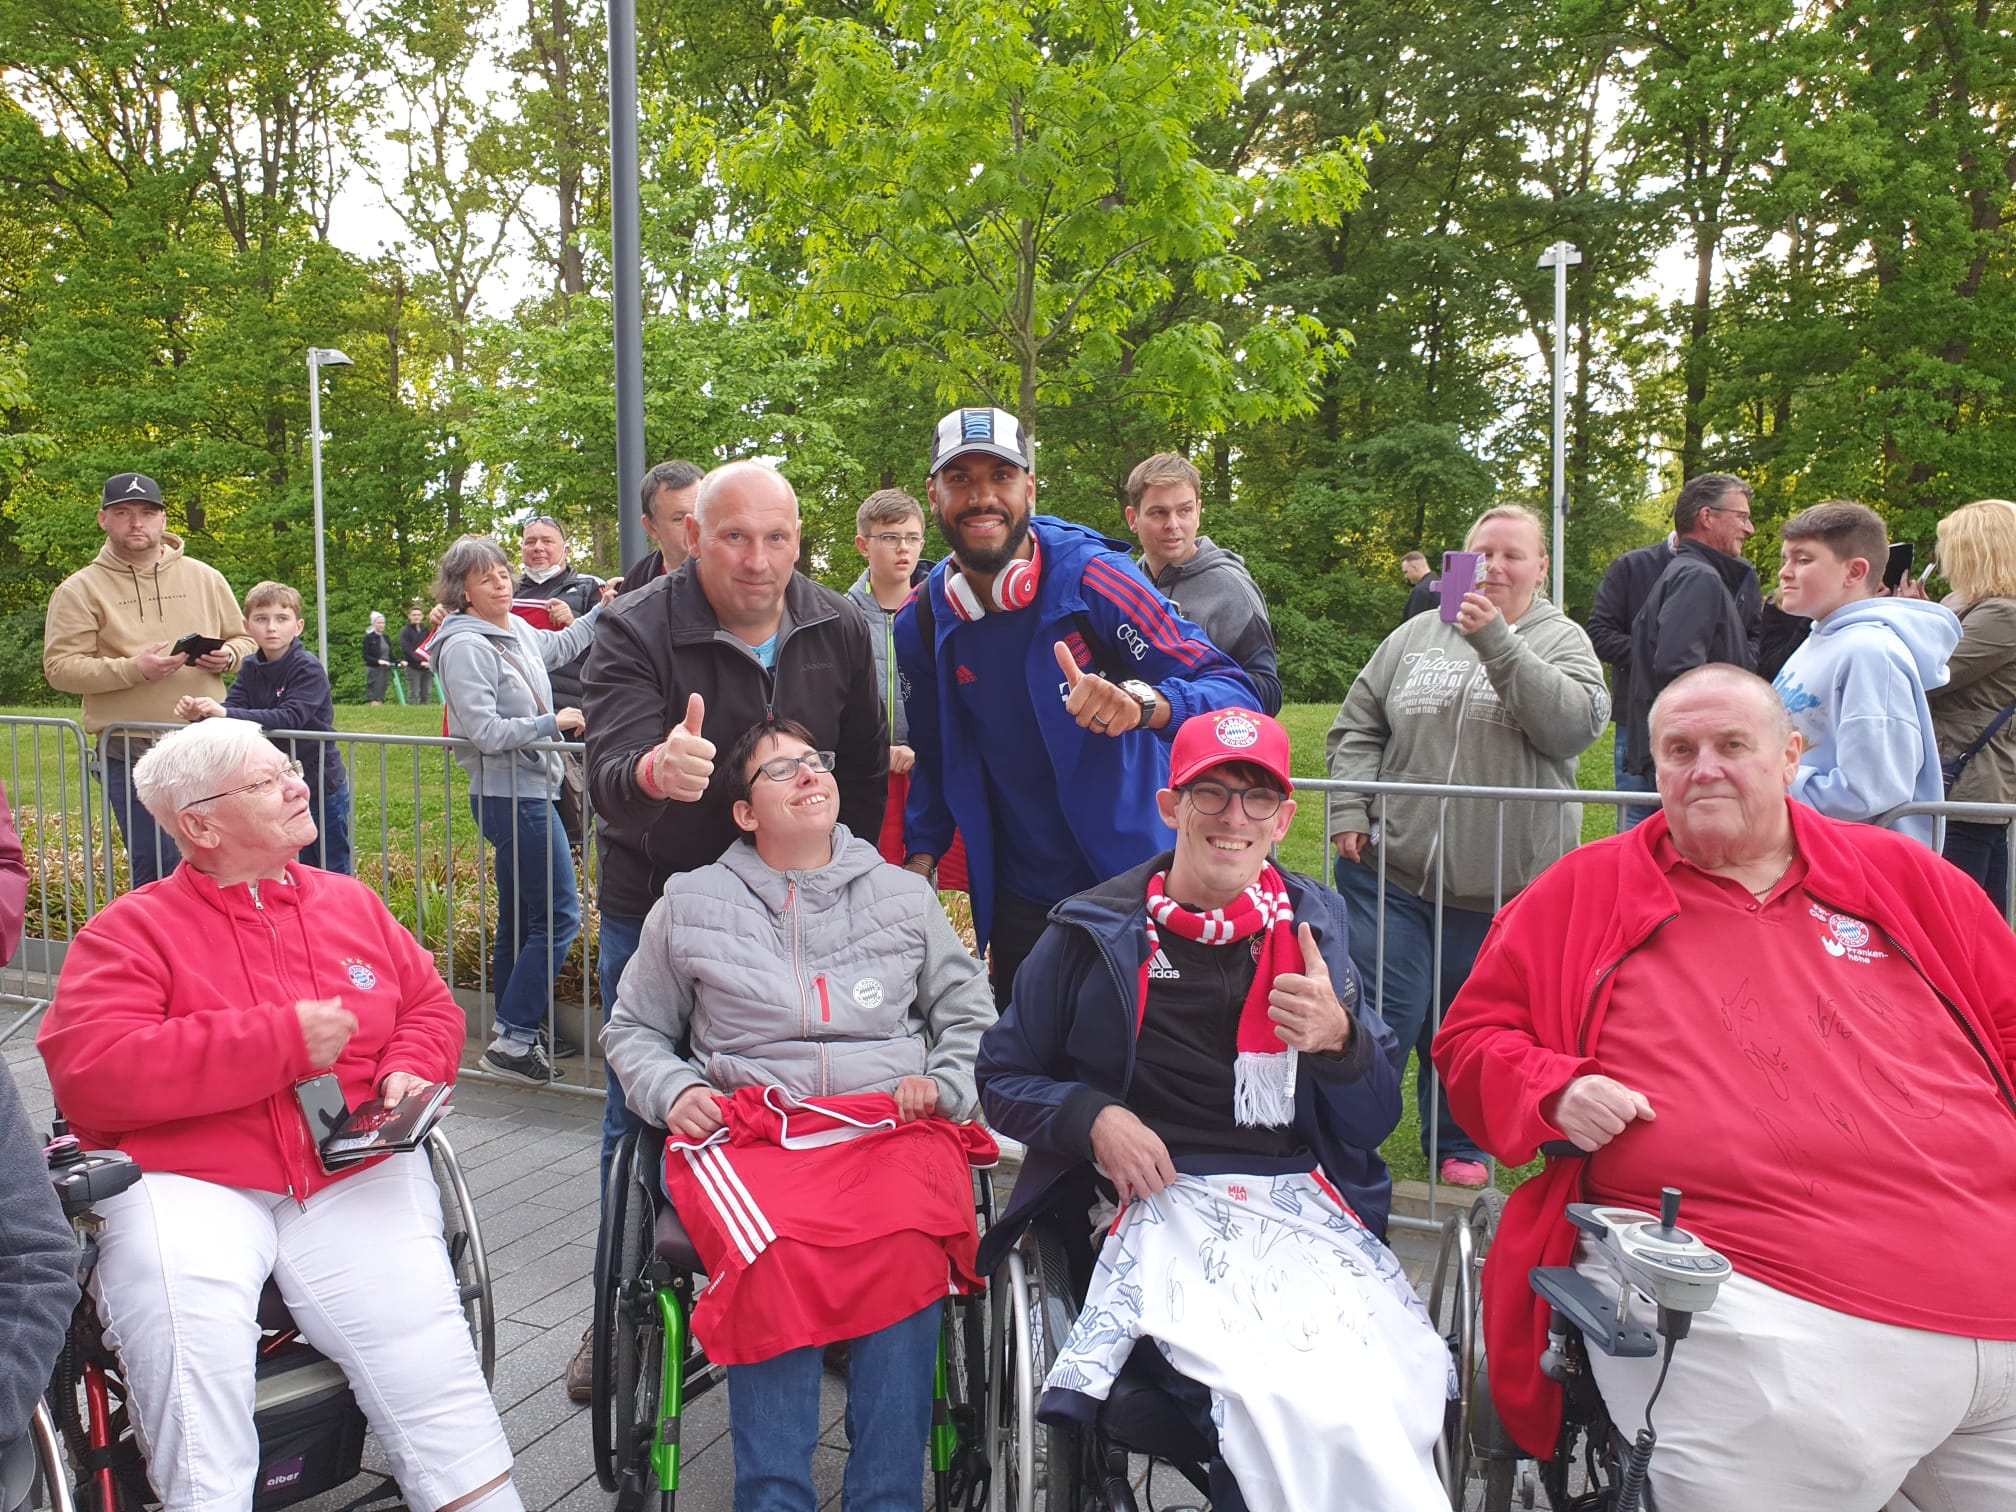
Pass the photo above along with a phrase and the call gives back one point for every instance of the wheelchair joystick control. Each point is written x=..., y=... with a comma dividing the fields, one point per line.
x=82, y=1177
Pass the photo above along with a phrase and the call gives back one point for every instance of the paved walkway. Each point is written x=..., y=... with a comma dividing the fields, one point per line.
x=531, y=1160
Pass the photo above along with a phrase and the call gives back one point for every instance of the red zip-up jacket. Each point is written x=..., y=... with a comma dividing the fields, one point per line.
x=1530, y=1019
x=173, y=1035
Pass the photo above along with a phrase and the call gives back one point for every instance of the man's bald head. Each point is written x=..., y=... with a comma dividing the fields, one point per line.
x=1733, y=687
x=750, y=482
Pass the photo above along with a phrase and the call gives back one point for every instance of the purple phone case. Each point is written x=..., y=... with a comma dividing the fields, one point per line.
x=1459, y=576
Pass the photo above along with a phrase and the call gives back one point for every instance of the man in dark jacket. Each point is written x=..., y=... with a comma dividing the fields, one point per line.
x=682, y=667
x=1421, y=594
x=38, y=1283
x=1172, y=1024
x=1705, y=606
x=550, y=575
x=413, y=635
x=1209, y=585
x=1619, y=597
x=666, y=498
x=1045, y=678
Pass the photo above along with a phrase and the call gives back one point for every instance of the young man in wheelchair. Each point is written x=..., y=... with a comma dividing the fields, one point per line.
x=1191, y=1032
x=802, y=986
x=185, y=1015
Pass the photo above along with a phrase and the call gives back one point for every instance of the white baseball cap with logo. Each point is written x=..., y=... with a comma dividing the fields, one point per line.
x=991, y=432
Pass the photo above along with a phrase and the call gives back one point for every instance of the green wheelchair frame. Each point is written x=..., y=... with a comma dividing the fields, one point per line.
x=648, y=1367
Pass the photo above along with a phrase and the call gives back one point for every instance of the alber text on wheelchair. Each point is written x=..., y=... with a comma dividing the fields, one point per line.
x=1807, y=1026
x=1194, y=1030
x=186, y=1016
x=801, y=966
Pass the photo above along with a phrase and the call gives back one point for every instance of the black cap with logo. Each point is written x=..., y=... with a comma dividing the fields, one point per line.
x=133, y=488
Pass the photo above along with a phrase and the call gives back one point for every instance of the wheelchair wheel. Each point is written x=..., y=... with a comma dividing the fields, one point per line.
x=465, y=1248
x=628, y=1347
x=1472, y=1440
x=1034, y=1311
x=960, y=1461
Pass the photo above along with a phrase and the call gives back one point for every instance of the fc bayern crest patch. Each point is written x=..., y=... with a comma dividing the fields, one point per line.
x=1237, y=732
x=362, y=977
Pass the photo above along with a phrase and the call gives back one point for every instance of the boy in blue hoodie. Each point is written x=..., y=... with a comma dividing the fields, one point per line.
x=285, y=688
x=1856, y=688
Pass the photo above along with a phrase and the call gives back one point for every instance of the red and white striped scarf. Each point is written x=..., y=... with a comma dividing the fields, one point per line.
x=1263, y=1072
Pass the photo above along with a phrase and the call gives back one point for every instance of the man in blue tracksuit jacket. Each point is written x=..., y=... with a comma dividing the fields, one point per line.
x=1042, y=708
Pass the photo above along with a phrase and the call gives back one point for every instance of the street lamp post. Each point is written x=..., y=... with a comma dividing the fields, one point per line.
x=626, y=260
x=1560, y=257
x=318, y=359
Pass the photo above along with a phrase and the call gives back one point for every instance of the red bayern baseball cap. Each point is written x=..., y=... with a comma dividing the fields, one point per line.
x=1219, y=737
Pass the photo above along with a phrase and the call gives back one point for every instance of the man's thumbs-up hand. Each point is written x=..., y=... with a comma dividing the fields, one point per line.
x=1097, y=705
x=684, y=764
x=1307, y=1015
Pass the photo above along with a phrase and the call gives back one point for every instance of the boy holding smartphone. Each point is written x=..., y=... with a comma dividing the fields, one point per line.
x=286, y=688
x=1855, y=689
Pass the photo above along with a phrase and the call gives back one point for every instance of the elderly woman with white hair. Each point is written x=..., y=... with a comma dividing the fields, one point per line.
x=377, y=659
x=185, y=1016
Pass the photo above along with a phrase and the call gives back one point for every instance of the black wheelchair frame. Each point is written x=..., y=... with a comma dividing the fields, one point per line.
x=1036, y=1296
x=304, y=1408
x=647, y=1366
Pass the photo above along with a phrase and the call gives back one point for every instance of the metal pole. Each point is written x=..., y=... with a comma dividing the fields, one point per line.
x=628, y=257
x=315, y=454
x=1560, y=416
x=1560, y=256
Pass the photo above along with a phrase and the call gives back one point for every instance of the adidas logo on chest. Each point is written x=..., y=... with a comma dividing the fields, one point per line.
x=1159, y=968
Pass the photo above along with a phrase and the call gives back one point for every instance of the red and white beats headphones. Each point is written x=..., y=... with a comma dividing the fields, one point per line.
x=1014, y=586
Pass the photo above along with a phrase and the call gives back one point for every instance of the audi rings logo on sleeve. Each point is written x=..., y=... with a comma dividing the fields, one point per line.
x=1132, y=639
x=1236, y=732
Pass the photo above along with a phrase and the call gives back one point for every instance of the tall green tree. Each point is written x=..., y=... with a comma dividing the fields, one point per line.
x=992, y=195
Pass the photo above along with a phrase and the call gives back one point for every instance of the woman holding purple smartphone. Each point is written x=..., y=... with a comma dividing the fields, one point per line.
x=1498, y=689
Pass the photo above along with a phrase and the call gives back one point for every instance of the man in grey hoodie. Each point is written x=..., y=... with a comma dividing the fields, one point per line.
x=889, y=532
x=1208, y=584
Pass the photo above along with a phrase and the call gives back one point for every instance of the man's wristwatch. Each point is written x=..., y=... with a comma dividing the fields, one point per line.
x=1143, y=695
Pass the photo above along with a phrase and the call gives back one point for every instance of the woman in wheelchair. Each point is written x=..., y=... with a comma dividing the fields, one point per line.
x=802, y=966
x=1192, y=1031
x=184, y=1018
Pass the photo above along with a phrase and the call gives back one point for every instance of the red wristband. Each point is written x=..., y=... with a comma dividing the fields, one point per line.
x=647, y=774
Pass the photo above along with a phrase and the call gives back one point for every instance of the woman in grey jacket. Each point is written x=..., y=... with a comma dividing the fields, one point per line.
x=493, y=671
x=801, y=959
x=1977, y=552
x=1509, y=695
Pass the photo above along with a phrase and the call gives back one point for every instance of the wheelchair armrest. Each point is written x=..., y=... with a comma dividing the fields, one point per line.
x=1594, y=1312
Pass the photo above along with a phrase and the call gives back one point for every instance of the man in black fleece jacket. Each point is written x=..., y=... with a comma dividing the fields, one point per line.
x=38, y=1265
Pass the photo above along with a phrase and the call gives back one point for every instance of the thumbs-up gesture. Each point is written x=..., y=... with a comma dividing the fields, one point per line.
x=1307, y=1015
x=685, y=762
x=1097, y=705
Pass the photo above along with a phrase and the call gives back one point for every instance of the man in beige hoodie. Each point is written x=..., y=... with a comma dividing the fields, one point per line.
x=109, y=635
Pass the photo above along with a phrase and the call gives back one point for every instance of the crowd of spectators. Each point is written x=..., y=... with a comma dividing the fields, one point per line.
x=1011, y=719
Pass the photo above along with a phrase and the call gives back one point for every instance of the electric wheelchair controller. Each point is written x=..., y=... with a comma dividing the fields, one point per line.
x=83, y=1178
x=1645, y=1256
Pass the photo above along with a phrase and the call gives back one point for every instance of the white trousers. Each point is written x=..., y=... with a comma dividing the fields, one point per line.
x=366, y=1276
x=1775, y=1404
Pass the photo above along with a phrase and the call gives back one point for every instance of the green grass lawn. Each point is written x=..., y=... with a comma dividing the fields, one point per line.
x=416, y=842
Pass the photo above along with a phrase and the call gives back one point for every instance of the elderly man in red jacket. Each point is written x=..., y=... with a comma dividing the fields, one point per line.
x=187, y=1015
x=1808, y=1027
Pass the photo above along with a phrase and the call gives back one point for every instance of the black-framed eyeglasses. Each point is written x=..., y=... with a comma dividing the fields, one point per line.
x=890, y=539
x=1260, y=803
x=544, y=520
x=784, y=768
x=260, y=786
x=1725, y=509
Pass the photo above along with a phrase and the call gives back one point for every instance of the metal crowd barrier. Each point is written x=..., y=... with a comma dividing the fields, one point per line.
x=414, y=841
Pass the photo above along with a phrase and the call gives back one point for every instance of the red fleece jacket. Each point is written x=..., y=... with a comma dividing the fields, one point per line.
x=173, y=1034
x=1530, y=1019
